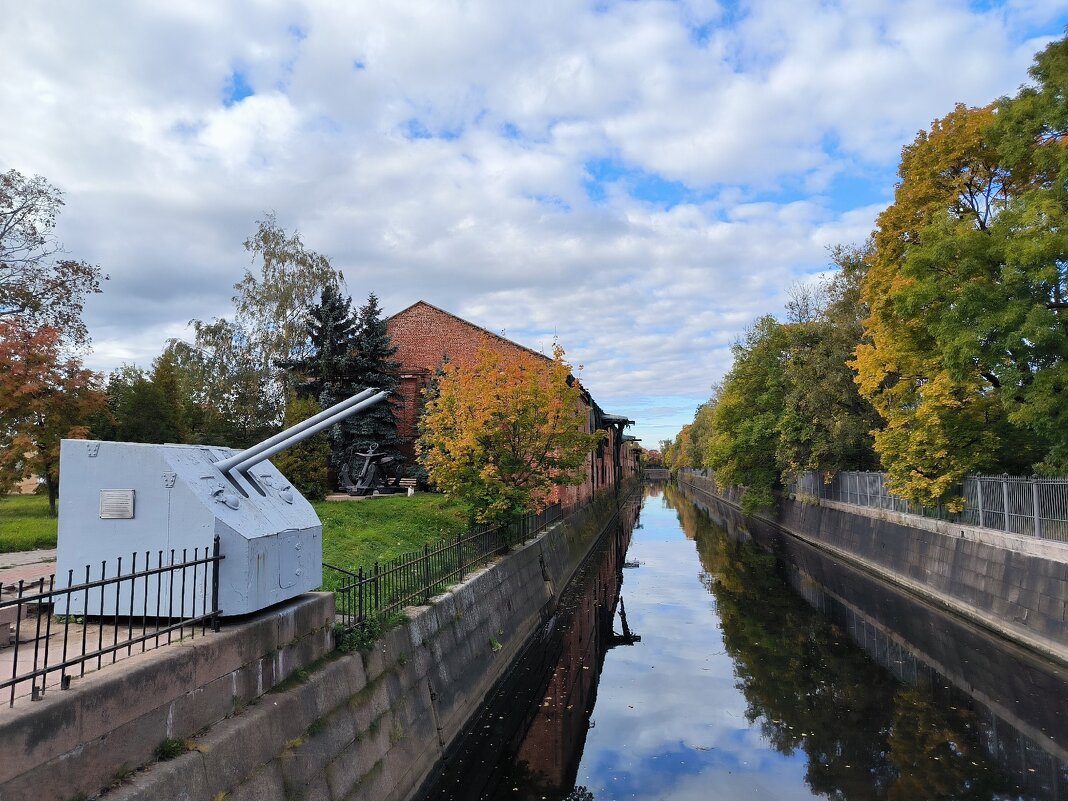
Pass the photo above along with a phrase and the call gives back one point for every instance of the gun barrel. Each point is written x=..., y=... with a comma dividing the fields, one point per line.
x=232, y=461
x=308, y=431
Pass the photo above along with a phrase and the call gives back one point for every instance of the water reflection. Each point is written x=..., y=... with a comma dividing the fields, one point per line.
x=909, y=728
x=528, y=742
x=740, y=689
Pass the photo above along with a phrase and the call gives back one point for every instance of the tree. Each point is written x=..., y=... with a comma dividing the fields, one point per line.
x=44, y=397
x=305, y=464
x=37, y=287
x=502, y=432
x=242, y=363
x=372, y=366
x=145, y=407
x=327, y=372
x=744, y=428
x=967, y=333
x=826, y=425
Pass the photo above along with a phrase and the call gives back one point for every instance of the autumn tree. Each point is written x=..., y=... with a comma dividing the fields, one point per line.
x=502, y=432
x=38, y=286
x=44, y=397
x=968, y=354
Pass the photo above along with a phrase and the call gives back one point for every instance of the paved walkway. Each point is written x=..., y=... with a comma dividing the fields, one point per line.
x=26, y=565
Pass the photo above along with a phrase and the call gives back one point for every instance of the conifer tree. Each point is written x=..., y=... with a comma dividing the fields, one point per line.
x=373, y=366
x=328, y=369
x=327, y=374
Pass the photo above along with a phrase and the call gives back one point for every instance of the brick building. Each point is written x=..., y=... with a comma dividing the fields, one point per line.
x=425, y=335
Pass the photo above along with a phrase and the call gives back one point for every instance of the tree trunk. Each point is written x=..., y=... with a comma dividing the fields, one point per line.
x=53, y=494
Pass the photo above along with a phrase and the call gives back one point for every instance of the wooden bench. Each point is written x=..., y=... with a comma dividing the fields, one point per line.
x=408, y=483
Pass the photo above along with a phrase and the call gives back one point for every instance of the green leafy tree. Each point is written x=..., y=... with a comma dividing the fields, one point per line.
x=934, y=277
x=826, y=425
x=742, y=447
x=38, y=287
x=240, y=364
x=305, y=464
x=144, y=407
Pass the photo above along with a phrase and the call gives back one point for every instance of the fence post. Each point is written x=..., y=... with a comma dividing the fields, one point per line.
x=359, y=596
x=378, y=591
x=216, y=559
x=1005, y=500
x=426, y=574
x=460, y=553
x=979, y=495
x=1035, y=508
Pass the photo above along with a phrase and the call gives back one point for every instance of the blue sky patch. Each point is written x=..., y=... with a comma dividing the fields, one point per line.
x=236, y=88
x=414, y=128
x=647, y=187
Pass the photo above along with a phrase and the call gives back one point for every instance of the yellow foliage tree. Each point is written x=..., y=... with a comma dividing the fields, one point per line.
x=941, y=415
x=502, y=432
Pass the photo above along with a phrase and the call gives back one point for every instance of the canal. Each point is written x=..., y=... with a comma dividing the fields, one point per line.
x=694, y=657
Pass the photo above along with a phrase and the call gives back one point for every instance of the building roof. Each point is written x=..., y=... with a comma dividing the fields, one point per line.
x=479, y=328
x=608, y=418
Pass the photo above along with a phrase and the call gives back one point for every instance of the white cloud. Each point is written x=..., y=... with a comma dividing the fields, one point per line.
x=758, y=111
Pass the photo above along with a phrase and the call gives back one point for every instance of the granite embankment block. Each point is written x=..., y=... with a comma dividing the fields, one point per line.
x=77, y=741
x=373, y=725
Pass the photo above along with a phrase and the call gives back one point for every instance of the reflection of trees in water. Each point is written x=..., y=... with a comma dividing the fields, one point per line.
x=811, y=689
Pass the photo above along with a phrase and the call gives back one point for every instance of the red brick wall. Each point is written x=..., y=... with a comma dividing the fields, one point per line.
x=425, y=334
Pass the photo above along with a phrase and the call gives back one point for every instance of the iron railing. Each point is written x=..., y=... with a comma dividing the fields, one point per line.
x=1030, y=507
x=60, y=625
x=411, y=579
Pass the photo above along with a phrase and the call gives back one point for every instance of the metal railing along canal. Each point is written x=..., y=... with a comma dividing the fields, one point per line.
x=63, y=626
x=414, y=578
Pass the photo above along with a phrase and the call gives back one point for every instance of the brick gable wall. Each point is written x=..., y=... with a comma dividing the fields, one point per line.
x=424, y=335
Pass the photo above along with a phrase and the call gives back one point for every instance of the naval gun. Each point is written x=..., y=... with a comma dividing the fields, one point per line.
x=120, y=498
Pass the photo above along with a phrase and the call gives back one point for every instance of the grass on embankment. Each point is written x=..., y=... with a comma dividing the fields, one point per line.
x=359, y=533
x=355, y=533
x=25, y=523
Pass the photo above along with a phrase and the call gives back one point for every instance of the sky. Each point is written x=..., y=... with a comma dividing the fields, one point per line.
x=639, y=178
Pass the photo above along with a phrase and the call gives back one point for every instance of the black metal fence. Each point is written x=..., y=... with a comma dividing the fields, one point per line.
x=414, y=578
x=58, y=627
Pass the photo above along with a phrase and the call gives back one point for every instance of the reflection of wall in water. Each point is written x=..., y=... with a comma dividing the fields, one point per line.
x=924, y=645
x=554, y=741
x=1035, y=769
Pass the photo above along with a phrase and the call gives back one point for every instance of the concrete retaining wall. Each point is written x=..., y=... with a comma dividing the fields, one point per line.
x=373, y=725
x=1014, y=586
x=75, y=742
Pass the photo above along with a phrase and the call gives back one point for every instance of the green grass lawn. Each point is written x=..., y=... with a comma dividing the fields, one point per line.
x=358, y=533
x=355, y=533
x=25, y=524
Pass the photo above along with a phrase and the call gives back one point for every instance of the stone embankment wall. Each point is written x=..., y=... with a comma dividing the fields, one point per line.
x=372, y=725
x=1014, y=586
x=74, y=742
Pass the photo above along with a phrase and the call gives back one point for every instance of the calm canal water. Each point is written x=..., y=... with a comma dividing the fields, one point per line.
x=693, y=658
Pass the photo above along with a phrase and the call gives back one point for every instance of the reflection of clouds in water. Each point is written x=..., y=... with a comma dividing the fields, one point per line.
x=670, y=721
